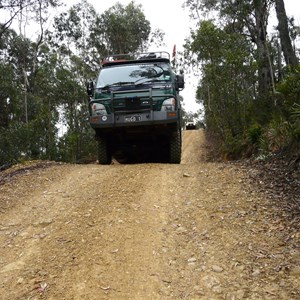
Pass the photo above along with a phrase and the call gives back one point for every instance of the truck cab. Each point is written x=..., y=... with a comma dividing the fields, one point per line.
x=135, y=110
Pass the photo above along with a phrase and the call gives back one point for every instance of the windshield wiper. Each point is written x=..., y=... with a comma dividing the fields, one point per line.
x=106, y=87
x=147, y=80
x=151, y=78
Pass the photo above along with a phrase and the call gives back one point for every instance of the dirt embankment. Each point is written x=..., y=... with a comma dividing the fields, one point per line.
x=147, y=231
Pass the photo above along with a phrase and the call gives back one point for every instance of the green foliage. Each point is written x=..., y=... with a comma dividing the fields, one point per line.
x=43, y=101
x=247, y=108
x=126, y=29
x=73, y=38
x=255, y=133
x=289, y=88
x=232, y=148
x=295, y=121
x=295, y=114
x=226, y=88
x=17, y=9
x=278, y=134
x=289, y=104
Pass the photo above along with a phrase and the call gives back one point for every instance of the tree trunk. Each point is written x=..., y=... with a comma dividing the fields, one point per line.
x=264, y=71
x=265, y=82
x=286, y=44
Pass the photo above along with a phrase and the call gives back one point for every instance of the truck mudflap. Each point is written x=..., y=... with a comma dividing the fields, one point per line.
x=134, y=119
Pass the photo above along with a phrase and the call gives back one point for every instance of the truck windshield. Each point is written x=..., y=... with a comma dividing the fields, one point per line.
x=133, y=74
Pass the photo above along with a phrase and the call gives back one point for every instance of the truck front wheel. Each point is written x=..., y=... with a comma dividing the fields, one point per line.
x=104, y=153
x=175, y=147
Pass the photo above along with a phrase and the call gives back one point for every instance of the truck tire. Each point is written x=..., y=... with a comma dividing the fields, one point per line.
x=104, y=154
x=175, y=147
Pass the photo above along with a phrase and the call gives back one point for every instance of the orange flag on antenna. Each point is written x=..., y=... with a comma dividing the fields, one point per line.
x=174, y=50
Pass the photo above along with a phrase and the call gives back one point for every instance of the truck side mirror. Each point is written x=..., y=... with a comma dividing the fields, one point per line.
x=90, y=88
x=179, y=82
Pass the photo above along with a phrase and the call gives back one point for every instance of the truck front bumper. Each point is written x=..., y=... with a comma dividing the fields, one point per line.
x=134, y=119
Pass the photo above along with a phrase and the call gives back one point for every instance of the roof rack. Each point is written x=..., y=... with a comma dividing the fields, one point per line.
x=156, y=54
x=115, y=58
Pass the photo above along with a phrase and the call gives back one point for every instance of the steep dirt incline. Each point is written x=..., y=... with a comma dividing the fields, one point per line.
x=144, y=231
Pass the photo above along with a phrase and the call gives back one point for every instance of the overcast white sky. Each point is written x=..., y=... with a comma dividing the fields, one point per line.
x=169, y=16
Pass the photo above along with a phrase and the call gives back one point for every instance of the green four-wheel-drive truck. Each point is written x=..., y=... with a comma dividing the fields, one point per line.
x=134, y=109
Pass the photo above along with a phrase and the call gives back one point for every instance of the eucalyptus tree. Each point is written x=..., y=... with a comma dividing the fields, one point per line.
x=251, y=18
x=227, y=85
x=23, y=9
x=9, y=90
x=235, y=107
x=284, y=33
x=71, y=37
x=82, y=37
x=125, y=28
x=24, y=12
x=25, y=129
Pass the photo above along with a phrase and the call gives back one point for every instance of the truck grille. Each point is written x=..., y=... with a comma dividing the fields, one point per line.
x=132, y=104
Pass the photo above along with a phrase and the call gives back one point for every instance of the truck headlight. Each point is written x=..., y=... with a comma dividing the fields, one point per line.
x=98, y=109
x=169, y=105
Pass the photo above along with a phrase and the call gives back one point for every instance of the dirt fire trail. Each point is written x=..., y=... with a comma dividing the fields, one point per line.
x=142, y=231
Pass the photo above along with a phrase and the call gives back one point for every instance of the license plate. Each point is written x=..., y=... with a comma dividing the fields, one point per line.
x=133, y=119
